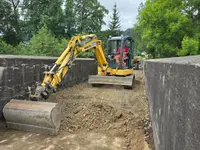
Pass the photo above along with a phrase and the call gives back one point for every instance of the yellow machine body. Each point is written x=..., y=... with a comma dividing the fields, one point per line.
x=116, y=72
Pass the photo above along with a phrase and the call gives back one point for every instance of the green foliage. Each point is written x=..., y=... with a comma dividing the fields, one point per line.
x=190, y=46
x=43, y=43
x=78, y=16
x=70, y=20
x=162, y=26
x=43, y=12
x=21, y=22
x=114, y=25
x=89, y=16
x=103, y=36
x=89, y=54
x=139, y=46
x=9, y=21
x=6, y=48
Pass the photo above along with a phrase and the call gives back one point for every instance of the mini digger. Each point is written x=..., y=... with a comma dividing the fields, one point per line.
x=114, y=67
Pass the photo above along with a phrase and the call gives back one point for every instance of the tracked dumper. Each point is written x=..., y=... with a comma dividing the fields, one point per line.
x=38, y=115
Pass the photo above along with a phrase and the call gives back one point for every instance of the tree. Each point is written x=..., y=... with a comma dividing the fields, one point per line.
x=70, y=18
x=38, y=13
x=114, y=25
x=9, y=21
x=103, y=36
x=192, y=9
x=15, y=6
x=139, y=43
x=190, y=46
x=139, y=46
x=6, y=48
x=163, y=25
x=89, y=16
x=42, y=43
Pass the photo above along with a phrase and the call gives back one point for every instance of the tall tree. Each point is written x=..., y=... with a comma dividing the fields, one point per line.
x=9, y=21
x=163, y=26
x=139, y=44
x=70, y=18
x=44, y=12
x=114, y=25
x=89, y=16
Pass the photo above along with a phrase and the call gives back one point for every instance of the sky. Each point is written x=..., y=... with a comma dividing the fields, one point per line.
x=128, y=10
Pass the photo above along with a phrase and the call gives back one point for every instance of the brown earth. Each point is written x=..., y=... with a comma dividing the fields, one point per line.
x=102, y=118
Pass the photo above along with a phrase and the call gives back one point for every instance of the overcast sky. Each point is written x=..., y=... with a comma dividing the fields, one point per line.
x=127, y=9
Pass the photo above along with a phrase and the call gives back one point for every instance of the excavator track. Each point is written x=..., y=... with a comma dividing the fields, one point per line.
x=127, y=81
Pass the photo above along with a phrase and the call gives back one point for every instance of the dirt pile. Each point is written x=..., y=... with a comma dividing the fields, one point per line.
x=98, y=116
x=107, y=109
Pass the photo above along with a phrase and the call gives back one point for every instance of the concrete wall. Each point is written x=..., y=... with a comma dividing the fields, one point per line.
x=19, y=72
x=173, y=88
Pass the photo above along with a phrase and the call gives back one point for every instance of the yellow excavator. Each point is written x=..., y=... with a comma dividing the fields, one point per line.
x=116, y=68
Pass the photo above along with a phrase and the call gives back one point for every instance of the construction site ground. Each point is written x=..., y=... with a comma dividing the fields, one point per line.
x=94, y=118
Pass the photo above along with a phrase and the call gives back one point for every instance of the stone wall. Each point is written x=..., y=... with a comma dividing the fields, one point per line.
x=19, y=72
x=173, y=90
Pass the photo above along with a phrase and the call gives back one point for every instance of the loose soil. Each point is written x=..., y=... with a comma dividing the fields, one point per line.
x=93, y=118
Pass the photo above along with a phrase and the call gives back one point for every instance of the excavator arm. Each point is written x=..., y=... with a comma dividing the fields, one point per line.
x=54, y=77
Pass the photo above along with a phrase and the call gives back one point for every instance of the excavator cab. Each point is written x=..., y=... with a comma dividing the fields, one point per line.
x=119, y=52
x=119, y=56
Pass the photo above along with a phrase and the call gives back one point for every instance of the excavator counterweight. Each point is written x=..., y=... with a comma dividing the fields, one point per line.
x=116, y=68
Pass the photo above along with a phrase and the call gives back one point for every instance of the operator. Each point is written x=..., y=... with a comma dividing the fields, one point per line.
x=117, y=57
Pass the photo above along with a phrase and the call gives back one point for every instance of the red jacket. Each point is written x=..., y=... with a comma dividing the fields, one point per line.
x=125, y=49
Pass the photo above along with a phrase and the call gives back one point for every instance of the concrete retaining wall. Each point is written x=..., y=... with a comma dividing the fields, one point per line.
x=173, y=88
x=18, y=72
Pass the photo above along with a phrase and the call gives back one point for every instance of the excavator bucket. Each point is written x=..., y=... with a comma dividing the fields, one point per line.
x=33, y=116
x=127, y=81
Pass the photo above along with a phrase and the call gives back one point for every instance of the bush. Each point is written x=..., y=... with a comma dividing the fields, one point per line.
x=89, y=54
x=190, y=46
x=42, y=44
x=6, y=48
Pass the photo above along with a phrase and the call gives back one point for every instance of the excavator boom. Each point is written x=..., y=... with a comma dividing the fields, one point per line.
x=54, y=77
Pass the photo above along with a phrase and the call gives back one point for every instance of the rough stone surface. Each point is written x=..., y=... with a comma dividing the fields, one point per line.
x=19, y=72
x=173, y=93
